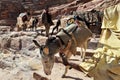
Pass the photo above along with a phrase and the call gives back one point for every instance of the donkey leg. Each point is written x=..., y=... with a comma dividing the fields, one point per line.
x=81, y=51
x=66, y=70
x=65, y=62
x=64, y=59
x=84, y=51
x=67, y=65
x=35, y=27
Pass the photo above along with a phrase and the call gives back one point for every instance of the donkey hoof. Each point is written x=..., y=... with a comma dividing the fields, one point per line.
x=70, y=67
x=63, y=76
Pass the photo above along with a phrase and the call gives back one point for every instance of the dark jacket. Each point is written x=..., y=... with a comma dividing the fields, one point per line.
x=47, y=18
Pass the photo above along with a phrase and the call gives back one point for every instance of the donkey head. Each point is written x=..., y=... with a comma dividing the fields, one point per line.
x=47, y=52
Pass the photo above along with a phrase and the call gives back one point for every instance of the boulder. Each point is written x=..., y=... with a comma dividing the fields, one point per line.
x=16, y=43
x=97, y=4
x=5, y=42
x=10, y=9
x=26, y=41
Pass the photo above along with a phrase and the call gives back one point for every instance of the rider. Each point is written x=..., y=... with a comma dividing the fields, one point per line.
x=47, y=20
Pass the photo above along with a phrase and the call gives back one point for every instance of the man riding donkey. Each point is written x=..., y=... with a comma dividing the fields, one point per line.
x=47, y=20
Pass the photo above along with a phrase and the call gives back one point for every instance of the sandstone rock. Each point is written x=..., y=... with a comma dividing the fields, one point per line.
x=5, y=64
x=44, y=3
x=10, y=9
x=17, y=40
x=16, y=43
x=26, y=41
x=26, y=53
x=5, y=42
x=4, y=51
x=23, y=65
x=37, y=76
x=4, y=29
x=68, y=10
x=4, y=56
x=97, y=4
x=29, y=34
x=35, y=64
x=8, y=22
x=41, y=39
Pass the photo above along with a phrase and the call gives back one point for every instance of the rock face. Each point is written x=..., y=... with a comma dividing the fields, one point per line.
x=16, y=41
x=10, y=9
x=40, y=4
x=97, y=4
x=5, y=42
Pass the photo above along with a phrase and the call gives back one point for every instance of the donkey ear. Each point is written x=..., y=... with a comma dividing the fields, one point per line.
x=46, y=50
x=36, y=43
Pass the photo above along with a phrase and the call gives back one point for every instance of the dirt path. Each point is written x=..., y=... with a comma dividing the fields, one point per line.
x=72, y=74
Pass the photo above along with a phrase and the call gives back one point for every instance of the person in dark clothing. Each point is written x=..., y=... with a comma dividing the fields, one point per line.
x=47, y=20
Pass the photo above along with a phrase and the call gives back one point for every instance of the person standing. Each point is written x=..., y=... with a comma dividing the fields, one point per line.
x=47, y=20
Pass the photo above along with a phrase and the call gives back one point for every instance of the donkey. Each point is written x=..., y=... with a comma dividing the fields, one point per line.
x=65, y=42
